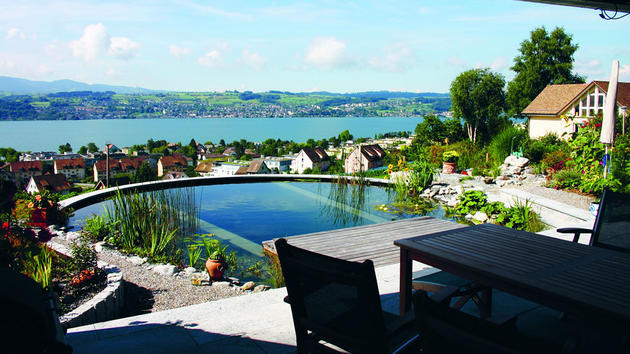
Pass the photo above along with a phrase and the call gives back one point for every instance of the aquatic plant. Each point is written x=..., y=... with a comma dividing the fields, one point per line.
x=153, y=224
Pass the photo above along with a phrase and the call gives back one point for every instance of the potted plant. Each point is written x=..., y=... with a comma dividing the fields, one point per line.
x=449, y=161
x=218, y=259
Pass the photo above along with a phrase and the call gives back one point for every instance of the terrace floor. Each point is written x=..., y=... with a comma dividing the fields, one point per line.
x=255, y=323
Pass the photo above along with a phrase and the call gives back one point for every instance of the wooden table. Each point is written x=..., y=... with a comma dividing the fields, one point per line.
x=590, y=282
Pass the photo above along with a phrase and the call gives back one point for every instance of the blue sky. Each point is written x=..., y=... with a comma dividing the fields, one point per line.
x=337, y=46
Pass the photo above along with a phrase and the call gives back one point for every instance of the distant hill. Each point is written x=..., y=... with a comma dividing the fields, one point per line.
x=23, y=86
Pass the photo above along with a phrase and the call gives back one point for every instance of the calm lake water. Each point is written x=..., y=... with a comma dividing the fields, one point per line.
x=48, y=135
x=244, y=215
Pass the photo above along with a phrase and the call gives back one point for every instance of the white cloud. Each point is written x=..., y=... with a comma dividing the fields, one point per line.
x=95, y=43
x=211, y=59
x=327, y=53
x=456, y=61
x=499, y=64
x=253, y=59
x=15, y=33
x=591, y=67
x=122, y=47
x=178, y=52
x=396, y=58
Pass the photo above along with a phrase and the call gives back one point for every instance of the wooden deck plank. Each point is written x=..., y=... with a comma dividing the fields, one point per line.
x=375, y=242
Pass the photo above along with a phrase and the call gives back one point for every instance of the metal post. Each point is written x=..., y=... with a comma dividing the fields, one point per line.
x=107, y=167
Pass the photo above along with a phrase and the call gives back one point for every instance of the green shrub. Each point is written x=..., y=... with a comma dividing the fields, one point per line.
x=471, y=202
x=521, y=216
x=555, y=160
x=566, y=179
x=508, y=140
x=83, y=254
x=96, y=228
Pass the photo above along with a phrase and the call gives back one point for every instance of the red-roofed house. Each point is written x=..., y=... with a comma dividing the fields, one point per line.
x=56, y=183
x=72, y=168
x=23, y=170
x=364, y=158
x=311, y=158
x=548, y=110
x=175, y=163
x=258, y=167
x=116, y=167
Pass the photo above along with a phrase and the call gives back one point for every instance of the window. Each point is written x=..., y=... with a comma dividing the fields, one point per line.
x=600, y=101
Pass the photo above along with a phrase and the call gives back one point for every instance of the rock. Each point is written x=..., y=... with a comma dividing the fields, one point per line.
x=165, y=269
x=234, y=280
x=261, y=288
x=190, y=270
x=487, y=180
x=137, y=260
x=529, y=170
x=248, y=286
x=459, y=189
x=433, y=193
x=503, y=182
x=453, y=202
x=480, y=216
x=468, y=216
x=98, y=247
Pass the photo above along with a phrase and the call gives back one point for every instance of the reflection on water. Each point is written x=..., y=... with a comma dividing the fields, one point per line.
x=347, y=200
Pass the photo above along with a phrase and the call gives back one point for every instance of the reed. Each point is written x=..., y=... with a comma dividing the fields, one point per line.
x=154, y=224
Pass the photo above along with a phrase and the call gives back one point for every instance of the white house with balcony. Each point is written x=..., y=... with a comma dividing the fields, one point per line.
x=559, y=109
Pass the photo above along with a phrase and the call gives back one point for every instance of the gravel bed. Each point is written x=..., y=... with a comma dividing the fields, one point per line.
x=569, y=198
x=164, y=292
x=148, y=291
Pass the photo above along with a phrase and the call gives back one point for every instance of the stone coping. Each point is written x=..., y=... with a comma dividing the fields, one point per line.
x=86, y=199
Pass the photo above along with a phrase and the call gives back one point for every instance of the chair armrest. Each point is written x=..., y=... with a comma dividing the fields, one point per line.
x=576, y=231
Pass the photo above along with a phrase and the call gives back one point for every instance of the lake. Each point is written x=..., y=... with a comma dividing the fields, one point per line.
x=48, y=135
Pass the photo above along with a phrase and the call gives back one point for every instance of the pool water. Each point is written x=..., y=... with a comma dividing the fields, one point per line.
x=244, y=215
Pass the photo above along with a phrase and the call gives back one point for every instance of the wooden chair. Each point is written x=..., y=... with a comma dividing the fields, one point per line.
x=338, y=302
x=612, y=225
x=443, y=329
x=29, y=320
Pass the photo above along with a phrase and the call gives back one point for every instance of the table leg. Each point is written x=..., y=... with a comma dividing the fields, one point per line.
x=405, y=281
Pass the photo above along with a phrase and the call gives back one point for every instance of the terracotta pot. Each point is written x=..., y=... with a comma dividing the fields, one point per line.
x=39, y=218
x=449, y=167
x=215, y=269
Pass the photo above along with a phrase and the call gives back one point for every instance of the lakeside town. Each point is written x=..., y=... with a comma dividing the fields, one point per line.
x=67, y=171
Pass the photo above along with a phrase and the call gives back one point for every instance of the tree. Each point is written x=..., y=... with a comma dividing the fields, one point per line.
x=345, y=136
x=545, y=59
x=65, y=148
x=430, y=130
x=145, y=173
x=83, y=149
x=91, y=147
x=478, y=97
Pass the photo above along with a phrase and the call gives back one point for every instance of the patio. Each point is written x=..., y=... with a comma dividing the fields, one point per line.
x=261, y=322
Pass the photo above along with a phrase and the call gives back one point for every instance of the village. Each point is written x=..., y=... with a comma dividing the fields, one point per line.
x=69, y=172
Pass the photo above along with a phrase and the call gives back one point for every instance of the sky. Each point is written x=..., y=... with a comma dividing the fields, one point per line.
x=303, y=46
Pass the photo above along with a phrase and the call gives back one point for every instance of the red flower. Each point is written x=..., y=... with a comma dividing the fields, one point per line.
x=465, y=173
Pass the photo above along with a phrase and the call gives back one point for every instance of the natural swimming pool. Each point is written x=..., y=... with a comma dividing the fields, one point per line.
x=244, y=215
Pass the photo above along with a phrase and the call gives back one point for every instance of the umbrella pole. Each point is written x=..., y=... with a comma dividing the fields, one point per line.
x=606, y=162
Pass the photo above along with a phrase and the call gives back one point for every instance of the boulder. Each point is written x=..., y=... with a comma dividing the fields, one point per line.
x=221, y=283
x=480, y=217
x=261, y=288
x=137, y=260
x=165, y=269
x=190, y=270
x=248, y=286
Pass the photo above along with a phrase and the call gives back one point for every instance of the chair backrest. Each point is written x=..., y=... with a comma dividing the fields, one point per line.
x=612, y=226
x=337, y=300
x=446, y=330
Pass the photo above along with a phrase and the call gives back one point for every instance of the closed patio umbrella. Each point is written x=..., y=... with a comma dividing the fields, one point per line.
x=608, y=124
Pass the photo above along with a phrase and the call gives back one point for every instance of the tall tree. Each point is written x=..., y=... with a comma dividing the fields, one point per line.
x=478, y=97
x=91, y=147
x=65, y=148
x=545, y=59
